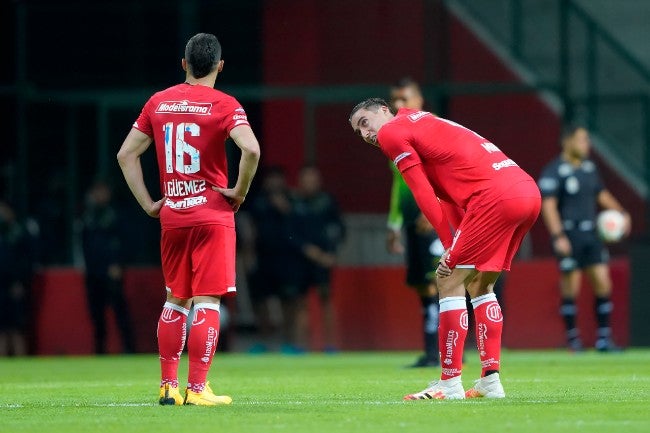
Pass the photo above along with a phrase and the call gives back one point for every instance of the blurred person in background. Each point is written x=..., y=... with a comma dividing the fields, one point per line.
x=103, y=238
x=274, y=260
x=423, y=248
x=319, y=231
x=572, y=191
x=190, y=123
x=17, y=260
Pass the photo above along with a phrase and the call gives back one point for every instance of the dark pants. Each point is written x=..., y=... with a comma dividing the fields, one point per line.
x=105, y=292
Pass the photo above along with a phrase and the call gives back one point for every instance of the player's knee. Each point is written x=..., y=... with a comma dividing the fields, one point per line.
x=449, y=287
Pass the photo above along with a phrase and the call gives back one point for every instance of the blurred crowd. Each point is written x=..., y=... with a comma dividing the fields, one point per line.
x=288, y=244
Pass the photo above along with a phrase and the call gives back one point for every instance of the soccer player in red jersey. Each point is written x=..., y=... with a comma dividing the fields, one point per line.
x=189, y=124
x=462, y=181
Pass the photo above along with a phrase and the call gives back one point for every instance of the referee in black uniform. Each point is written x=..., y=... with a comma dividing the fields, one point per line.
x=572, y=192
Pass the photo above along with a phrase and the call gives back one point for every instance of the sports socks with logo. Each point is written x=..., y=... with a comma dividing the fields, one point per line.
x=171, y=340
x=202, y=344
x=488, y=321
x=452, y=332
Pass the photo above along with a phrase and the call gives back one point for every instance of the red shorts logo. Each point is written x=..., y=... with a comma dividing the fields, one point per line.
x=464, y=320
x=493, y=312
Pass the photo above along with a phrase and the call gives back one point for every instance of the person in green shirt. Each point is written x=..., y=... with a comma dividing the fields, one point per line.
x=422, y=248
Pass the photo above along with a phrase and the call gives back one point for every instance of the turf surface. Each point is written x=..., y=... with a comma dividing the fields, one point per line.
x=347, y=392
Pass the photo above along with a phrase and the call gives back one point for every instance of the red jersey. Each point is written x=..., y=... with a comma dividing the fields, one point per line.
x=189, y=125
x=461, y=166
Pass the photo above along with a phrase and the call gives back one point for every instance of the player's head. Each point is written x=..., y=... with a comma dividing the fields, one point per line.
x=309, y=180
x=575, y=141
x=406, y=94
x=202, y=55
x=368, y=116
x=274, y=179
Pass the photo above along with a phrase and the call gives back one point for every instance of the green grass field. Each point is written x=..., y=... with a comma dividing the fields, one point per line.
x=348, y=392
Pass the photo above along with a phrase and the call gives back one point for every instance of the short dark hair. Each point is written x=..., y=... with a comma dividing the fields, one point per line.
x=202, y=54
x=406, y=82
x=569, y=130
x=371, y=104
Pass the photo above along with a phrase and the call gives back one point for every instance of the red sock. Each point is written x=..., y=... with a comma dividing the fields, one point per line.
x=489, y=325
x=451, y=335
x=171, y=339
x=202, y=343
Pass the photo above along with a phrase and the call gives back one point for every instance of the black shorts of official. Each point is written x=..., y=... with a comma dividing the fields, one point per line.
x=318, y=277
x=420, y=263
x=274, y=281
x=13, y=312
x=587, y=250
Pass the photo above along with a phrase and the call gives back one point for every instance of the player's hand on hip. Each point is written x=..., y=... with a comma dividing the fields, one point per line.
x=232, y=197
x=154, y=208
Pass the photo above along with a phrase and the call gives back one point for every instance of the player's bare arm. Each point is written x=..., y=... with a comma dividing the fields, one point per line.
x=607, y=201
x=245, y=139
x=553, y=222
x=135, y=144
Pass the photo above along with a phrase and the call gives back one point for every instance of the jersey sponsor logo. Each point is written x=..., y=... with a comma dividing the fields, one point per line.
x=400, y=157
x=588, y=166
x=450, y=343
x=464, y=320
x=503, y=164
x=184, y=107
x=210, y=344
x=565, y=169
x=419, y=115
x=481, y=337
x=490, y=364
x=181, y=188
x=572, y=185
x=493, y=312
x=186, y=203
x=491, y=148
x=240, y=118
x=167, y=316
x=195, y=320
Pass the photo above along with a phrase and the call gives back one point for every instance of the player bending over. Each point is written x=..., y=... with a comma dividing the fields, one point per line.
x=461, y=180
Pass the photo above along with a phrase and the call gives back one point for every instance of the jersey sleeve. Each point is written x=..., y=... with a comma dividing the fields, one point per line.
x=549, y=181
x=143, y=122
x=235, y=115
x=396, y=146
x=425, y=196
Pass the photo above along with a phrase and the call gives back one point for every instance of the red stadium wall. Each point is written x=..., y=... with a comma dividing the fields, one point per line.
x=375, y=310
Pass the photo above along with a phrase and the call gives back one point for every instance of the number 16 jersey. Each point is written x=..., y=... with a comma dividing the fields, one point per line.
x=189, y=125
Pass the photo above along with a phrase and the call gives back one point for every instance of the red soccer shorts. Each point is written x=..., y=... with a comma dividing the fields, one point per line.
x=199, y=261
x=490, y=234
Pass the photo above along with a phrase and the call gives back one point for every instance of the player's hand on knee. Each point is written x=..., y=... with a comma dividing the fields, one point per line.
x=443, y=269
